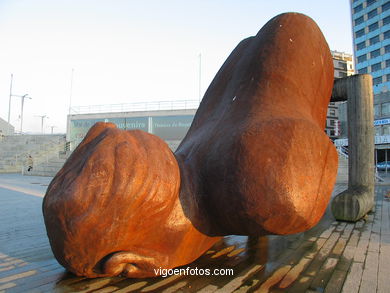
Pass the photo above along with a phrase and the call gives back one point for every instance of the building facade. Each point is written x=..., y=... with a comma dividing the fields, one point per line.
x=343, y=66
x=169, y=122
x=371, y=42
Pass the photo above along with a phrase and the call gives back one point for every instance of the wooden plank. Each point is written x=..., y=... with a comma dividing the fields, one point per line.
x=336, y=282
x=352, y=282
x=294, y=273
x=276, y=277
x=384, y=256
x=17, y=276
x=369, y=277
x=324, y=274
x=240, y=279
x=322, y=255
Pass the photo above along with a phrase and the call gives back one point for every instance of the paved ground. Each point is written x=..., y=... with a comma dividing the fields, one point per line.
x=332, y=257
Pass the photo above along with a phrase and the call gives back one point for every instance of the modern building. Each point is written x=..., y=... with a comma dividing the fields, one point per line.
x=168, y=120
x=371, y=40
x=343, y=66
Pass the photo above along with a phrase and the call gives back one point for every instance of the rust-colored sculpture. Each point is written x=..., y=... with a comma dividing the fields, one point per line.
x=255, y=161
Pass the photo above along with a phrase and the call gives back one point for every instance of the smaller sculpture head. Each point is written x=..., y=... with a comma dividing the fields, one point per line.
x=114, y=207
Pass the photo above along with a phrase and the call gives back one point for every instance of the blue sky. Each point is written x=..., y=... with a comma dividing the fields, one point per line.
x=131, y=51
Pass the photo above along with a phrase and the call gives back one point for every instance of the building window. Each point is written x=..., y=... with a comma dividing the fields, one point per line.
x=362, y=70
x=332, y=112
x=375, y=53
x=342, y=74
x=387, y=77
x=386, y=35
x=385, y=109
x=387, y=63
x=386, y=129
x=359, y=33
x=377, y=80
x=376, y=66
x=359, y=20
x=386, y=6
x=372, y=13
x=373, y=26
x=387, y=49
x=358, y=8
x=377, y=130
x=370, y=2
x=361, y=45
x=386, y=20
x=342, y=65
x=374, y=40
x=376, y=110
x=362, y=58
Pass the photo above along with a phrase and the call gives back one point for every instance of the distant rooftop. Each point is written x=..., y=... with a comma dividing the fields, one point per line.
x=341, y=55
x=136, y=107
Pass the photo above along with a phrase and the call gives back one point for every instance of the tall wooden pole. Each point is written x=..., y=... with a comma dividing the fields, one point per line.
x=358, y=199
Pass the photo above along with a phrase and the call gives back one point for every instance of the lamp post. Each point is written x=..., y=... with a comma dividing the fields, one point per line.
x=52, y=127
x=42, y=118
x=9, y=106
x=21, y=111
x=200, y=76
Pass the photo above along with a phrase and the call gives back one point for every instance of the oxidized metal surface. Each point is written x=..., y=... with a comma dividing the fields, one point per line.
x=255, y=161
x=257, y=142
x=114, y=207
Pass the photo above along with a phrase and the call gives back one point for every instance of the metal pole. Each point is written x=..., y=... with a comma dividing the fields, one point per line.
x=9, y=106
x=21, y=112
x=71, y=90
x=200, y=76
x=21, y=116
x=376, y=159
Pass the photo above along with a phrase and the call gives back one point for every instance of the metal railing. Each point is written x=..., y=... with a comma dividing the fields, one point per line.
x=343, y=151
x=139, y=106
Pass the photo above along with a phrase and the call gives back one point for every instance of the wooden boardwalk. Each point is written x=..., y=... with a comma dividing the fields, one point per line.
x=332, y=257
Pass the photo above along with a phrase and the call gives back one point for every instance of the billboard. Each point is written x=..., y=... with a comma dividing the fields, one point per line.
x=171, y=127
x=80, y=127
x=166, y=127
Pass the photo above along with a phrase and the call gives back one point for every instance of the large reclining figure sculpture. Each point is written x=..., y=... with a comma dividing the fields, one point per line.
x=255, y=161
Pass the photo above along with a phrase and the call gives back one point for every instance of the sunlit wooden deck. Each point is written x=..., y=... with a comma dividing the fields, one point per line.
x=332, y=257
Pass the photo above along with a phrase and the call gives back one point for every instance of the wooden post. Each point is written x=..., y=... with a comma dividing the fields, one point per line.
x=358, y=199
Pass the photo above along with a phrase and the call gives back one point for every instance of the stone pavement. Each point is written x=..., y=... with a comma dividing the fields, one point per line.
x=331, y=257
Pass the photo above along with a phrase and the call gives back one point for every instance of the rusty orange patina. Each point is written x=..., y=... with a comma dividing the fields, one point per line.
x=255, y=161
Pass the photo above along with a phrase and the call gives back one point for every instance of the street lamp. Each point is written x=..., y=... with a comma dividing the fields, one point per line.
x=9, y=106
x=42, y=118
x=52, y=128
x=21, y=111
